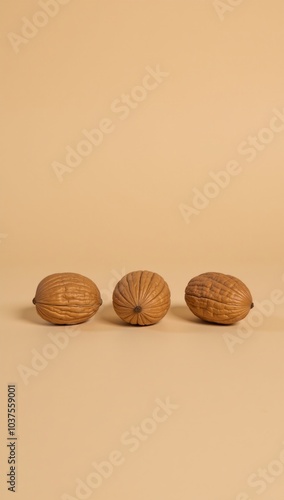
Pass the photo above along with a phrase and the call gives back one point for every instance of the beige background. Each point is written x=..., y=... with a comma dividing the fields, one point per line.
x=122, y=209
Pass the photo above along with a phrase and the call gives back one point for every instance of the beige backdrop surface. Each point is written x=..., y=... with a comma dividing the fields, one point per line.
x=143, y=135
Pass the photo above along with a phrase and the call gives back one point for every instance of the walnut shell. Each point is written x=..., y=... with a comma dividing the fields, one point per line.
x=218, y=298
x=141, y=298
x=67, y=298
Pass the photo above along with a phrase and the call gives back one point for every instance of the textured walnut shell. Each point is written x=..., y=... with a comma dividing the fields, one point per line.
x=218, y=298
x=141, y=298
x=67, y=298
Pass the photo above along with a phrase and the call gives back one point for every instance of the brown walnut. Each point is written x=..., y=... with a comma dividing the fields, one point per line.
x=67, y=298
x=218, y=298
x=141, y=298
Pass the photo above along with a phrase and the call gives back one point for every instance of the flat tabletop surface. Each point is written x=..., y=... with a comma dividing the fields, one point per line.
x=121, y=411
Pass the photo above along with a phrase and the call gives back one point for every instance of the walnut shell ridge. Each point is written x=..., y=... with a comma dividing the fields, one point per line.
x=67, y=298
x=141, y=298
x=218, y=298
